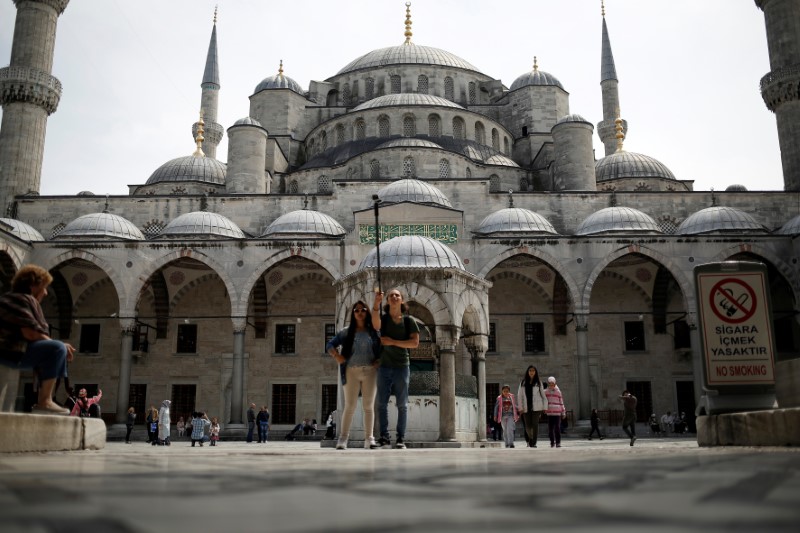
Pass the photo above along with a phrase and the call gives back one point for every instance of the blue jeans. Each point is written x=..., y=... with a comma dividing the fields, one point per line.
x=263, y=431
x=250, y=427
x=393, y=381
x=49, y=358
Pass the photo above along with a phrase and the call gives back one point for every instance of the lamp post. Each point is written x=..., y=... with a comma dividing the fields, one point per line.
x=376, y=200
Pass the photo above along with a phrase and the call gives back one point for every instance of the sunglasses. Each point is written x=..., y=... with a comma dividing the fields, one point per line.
x=360, y=310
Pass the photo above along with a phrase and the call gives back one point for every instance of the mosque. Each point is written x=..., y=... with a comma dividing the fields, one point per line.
x=217, y=283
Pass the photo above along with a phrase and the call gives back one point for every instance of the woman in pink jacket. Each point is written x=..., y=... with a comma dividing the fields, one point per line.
x=555, y=412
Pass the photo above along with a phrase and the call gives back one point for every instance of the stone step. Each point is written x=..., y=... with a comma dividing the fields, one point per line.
x=49, y=433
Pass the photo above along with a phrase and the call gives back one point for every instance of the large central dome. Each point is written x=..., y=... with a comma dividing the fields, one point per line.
x=405, y=54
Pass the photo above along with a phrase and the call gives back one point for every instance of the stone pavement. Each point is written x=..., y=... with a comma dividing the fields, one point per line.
x=659, y=485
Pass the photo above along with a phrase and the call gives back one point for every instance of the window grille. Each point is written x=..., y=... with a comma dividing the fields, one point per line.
x=323, y=141
x=480, y=133
x=495, y=139
x=293, y=187
x=422, y=84
x=472, y=93
x=506, y=149
x=323, y=184
x=328, y=401
x=346, y=94
x=492, y=337
x=449, y=93
x=284, y=400
x=409, y=127
x=374, y=169
x=153, y=228
x=360, y=130
x=434, y=126
x=369, y=90
x=408, y=167
x=187, y=338
x=339, y=134
x=444, y=169
x=285, y=338
x=384, y=126
x=534, y=337
x=395, y=80
x=523, y=184
x=458, y=128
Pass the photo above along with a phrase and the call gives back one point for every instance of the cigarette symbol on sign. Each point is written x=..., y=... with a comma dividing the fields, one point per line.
x=733, y=300
x=726, y=302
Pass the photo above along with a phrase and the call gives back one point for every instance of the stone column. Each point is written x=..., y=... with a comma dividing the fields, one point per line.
x=237, y=373
x=480, y=357
x=446, y=337
x=584, y=386
x=124, y=386
x=697, y=357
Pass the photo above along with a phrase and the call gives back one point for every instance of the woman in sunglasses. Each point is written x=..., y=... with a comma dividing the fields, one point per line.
x=355, y=348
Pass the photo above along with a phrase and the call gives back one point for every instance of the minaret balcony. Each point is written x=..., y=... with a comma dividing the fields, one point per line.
x=29, y=85
x=781, y=86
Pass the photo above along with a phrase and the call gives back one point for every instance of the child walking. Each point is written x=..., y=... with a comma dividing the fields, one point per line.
x=506, y=414
x=214, y=430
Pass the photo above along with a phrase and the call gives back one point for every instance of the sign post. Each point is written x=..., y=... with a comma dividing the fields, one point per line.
x=736, y=336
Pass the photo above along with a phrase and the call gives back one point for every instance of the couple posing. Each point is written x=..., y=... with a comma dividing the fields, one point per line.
x=372, y=353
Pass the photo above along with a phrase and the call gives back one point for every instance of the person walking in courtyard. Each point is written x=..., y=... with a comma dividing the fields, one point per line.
x=506, y=414
x=152, y=424
x=531, y=401
x=629, y=414
x=251, y=422
x=262, y=419
x=555, y=412
x=130, y=420
x=200, y=422
x=25, y=341
x=399, y=333
x=355, y=349
x=214, y=430
x=595, y=421
x=164, y=424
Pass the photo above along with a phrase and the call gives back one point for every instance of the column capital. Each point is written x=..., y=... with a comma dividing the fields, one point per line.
x=58, y=5
x=581, y=321
x=239, y=324
x=447, y=337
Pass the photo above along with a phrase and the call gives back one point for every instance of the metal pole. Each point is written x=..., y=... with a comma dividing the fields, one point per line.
x=376, y=200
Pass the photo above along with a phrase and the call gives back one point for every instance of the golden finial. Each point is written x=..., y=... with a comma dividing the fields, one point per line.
x=408, y=23
x=535, y=64
x=199, y=139
x=215, y=14
x=280, y=69
x=620, y=135
x=603, y=8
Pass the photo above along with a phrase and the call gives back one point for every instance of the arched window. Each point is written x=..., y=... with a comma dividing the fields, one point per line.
x=293, y=187
x=323, y=185
x=370, y=89
x=494, y=183
x=409, y=126
x=282, y=185
x=374, y=170
x=339, y=134
x=422, y=84
x=360, y=128
x=523, y=184
x=434, y=126
x=444, y=169
x=469, y=172
x=449, y=93
x=346, y=94
x=323, y=140
x=458, y=128
x=495, y=139
x=395, y=80
x=354, y=94
x=472, y=93
x=384, y=127
x=332, y=99
x=480, y=133
x=409, y=169
x=58, y=228
x=311, y=147
x=505, y=146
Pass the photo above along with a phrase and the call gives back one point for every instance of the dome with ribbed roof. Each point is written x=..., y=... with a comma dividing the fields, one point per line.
x=407, y=54
x=190, y=168
x=202, y=224
x=279, y=81
x=630, y=165
x=736, y=188
x=499, y=159
x=536, y=77
x=617, y=219
x=514, y=220
x=406, y=99
x=100, y=225
x=22, y=230
x=413, y=251
x=719, y=219
x=790, y=228
x=305, y=223
x=408, y=142
x=247, y=121
x=414, y=191
x=573, y=118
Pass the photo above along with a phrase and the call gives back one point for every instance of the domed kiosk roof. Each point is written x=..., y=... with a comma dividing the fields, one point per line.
x=406, y=99
x=536, y=77
x=279, y=81
x=617, y=219
x=22, y=230
x=247, y=121
x=413, y=251
x=202, y=224
x=98, y=225
x=406, y=54
x=790, y=228
x=407, y=142
x=190, y=168
x=736, y=188
x=414, y=191
x=630, y=165
x=514, y=220
x=572, y=118
x=719, y=219
x=305, y=222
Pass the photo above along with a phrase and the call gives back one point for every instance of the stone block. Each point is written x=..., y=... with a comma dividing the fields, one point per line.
x=787, y=383
x=43, y=433
x=706, y=431
x=9, y=384
x=94, y=434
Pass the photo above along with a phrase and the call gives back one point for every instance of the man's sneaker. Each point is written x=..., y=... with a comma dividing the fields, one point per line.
x=384, y=442
x=370, y=443
x=400, y=445
x=341, y=445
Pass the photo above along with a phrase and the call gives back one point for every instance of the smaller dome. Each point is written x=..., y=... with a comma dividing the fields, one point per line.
x=190, y=168
x=98, y=225
x=630, y=165
x=85, y=193
x=413, y=251
x=736, y=188
x=279, y=81
x=247, y=121
x=790, y=228
x=22, y=230
x=305, y=222
x=406, y=99
x=407, y=142
x=414, y=191
x=202, y=224
x=718, y=218
x=573, y=118
x=617, y=219
x=536, y=77
x=514, y=220
x=498, y=159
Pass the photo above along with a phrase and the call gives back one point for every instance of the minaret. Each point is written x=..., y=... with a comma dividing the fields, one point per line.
x=209, y=100
x=29, y=93
x=781, y=87
x=610, y=87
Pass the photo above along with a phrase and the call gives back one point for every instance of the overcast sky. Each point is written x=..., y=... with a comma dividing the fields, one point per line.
x=688, y=73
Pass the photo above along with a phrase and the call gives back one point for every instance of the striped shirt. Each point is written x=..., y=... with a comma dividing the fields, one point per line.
x=19, y=310
x=555, y=402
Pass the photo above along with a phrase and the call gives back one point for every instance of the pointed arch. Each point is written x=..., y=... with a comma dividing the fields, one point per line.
x=120, y=284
